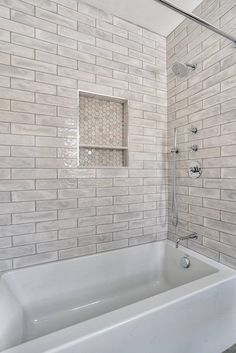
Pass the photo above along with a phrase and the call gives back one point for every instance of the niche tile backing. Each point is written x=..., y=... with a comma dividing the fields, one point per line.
x=102, y=130
x=101, y=157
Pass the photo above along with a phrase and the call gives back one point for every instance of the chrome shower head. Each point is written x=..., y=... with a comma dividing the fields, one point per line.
x=182, y=70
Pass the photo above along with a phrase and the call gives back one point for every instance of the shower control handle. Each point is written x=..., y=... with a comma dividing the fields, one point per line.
x=193, y=130
x=195, y=170
x=194, y=148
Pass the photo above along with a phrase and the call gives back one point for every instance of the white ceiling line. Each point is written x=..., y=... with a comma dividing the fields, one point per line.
x=147, y=13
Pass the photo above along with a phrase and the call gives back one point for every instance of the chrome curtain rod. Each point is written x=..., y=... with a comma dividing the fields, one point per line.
x=198, y=20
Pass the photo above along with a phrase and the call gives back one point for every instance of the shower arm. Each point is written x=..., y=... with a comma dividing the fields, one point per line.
x=198, y=20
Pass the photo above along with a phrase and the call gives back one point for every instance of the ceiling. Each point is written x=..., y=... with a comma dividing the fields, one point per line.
x=147, y=13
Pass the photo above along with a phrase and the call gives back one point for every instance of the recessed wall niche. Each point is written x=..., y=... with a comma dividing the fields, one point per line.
x=103, y=125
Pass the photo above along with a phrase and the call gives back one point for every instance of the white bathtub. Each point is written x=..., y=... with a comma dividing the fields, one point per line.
x=135, y=300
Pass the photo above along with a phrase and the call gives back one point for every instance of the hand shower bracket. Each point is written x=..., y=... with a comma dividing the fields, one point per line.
x=174, y=150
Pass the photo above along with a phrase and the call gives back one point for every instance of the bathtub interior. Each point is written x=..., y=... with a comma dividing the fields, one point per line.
x=58, y=295
x=11, y=318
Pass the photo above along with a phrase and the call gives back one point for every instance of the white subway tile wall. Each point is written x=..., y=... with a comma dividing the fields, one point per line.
x=206, y=99
x=49, y=208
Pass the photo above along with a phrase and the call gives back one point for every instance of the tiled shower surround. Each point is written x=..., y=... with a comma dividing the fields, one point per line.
x=206, y=99
x=50, y=209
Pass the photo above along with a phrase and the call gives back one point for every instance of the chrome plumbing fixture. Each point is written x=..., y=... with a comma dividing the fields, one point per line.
x=195, y=170
x=182, y=70
x=174, y=208
x=185, y=261
x=193, y=130
x=194, y=148
x=189, y=236
x=174, y=150
x=197, y=19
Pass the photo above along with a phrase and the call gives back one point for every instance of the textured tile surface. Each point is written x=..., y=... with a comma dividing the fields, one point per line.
x=101, y=122
x=50, y=209
x=205, y=98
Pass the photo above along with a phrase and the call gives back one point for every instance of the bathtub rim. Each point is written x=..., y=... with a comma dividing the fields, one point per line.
x=82, y=331
x=163, y=242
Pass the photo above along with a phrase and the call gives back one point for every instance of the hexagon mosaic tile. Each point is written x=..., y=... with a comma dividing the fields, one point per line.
x=101, y=123
x=101, y=157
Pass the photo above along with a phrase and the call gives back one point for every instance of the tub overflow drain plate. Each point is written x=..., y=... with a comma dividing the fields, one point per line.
x=185, y=261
